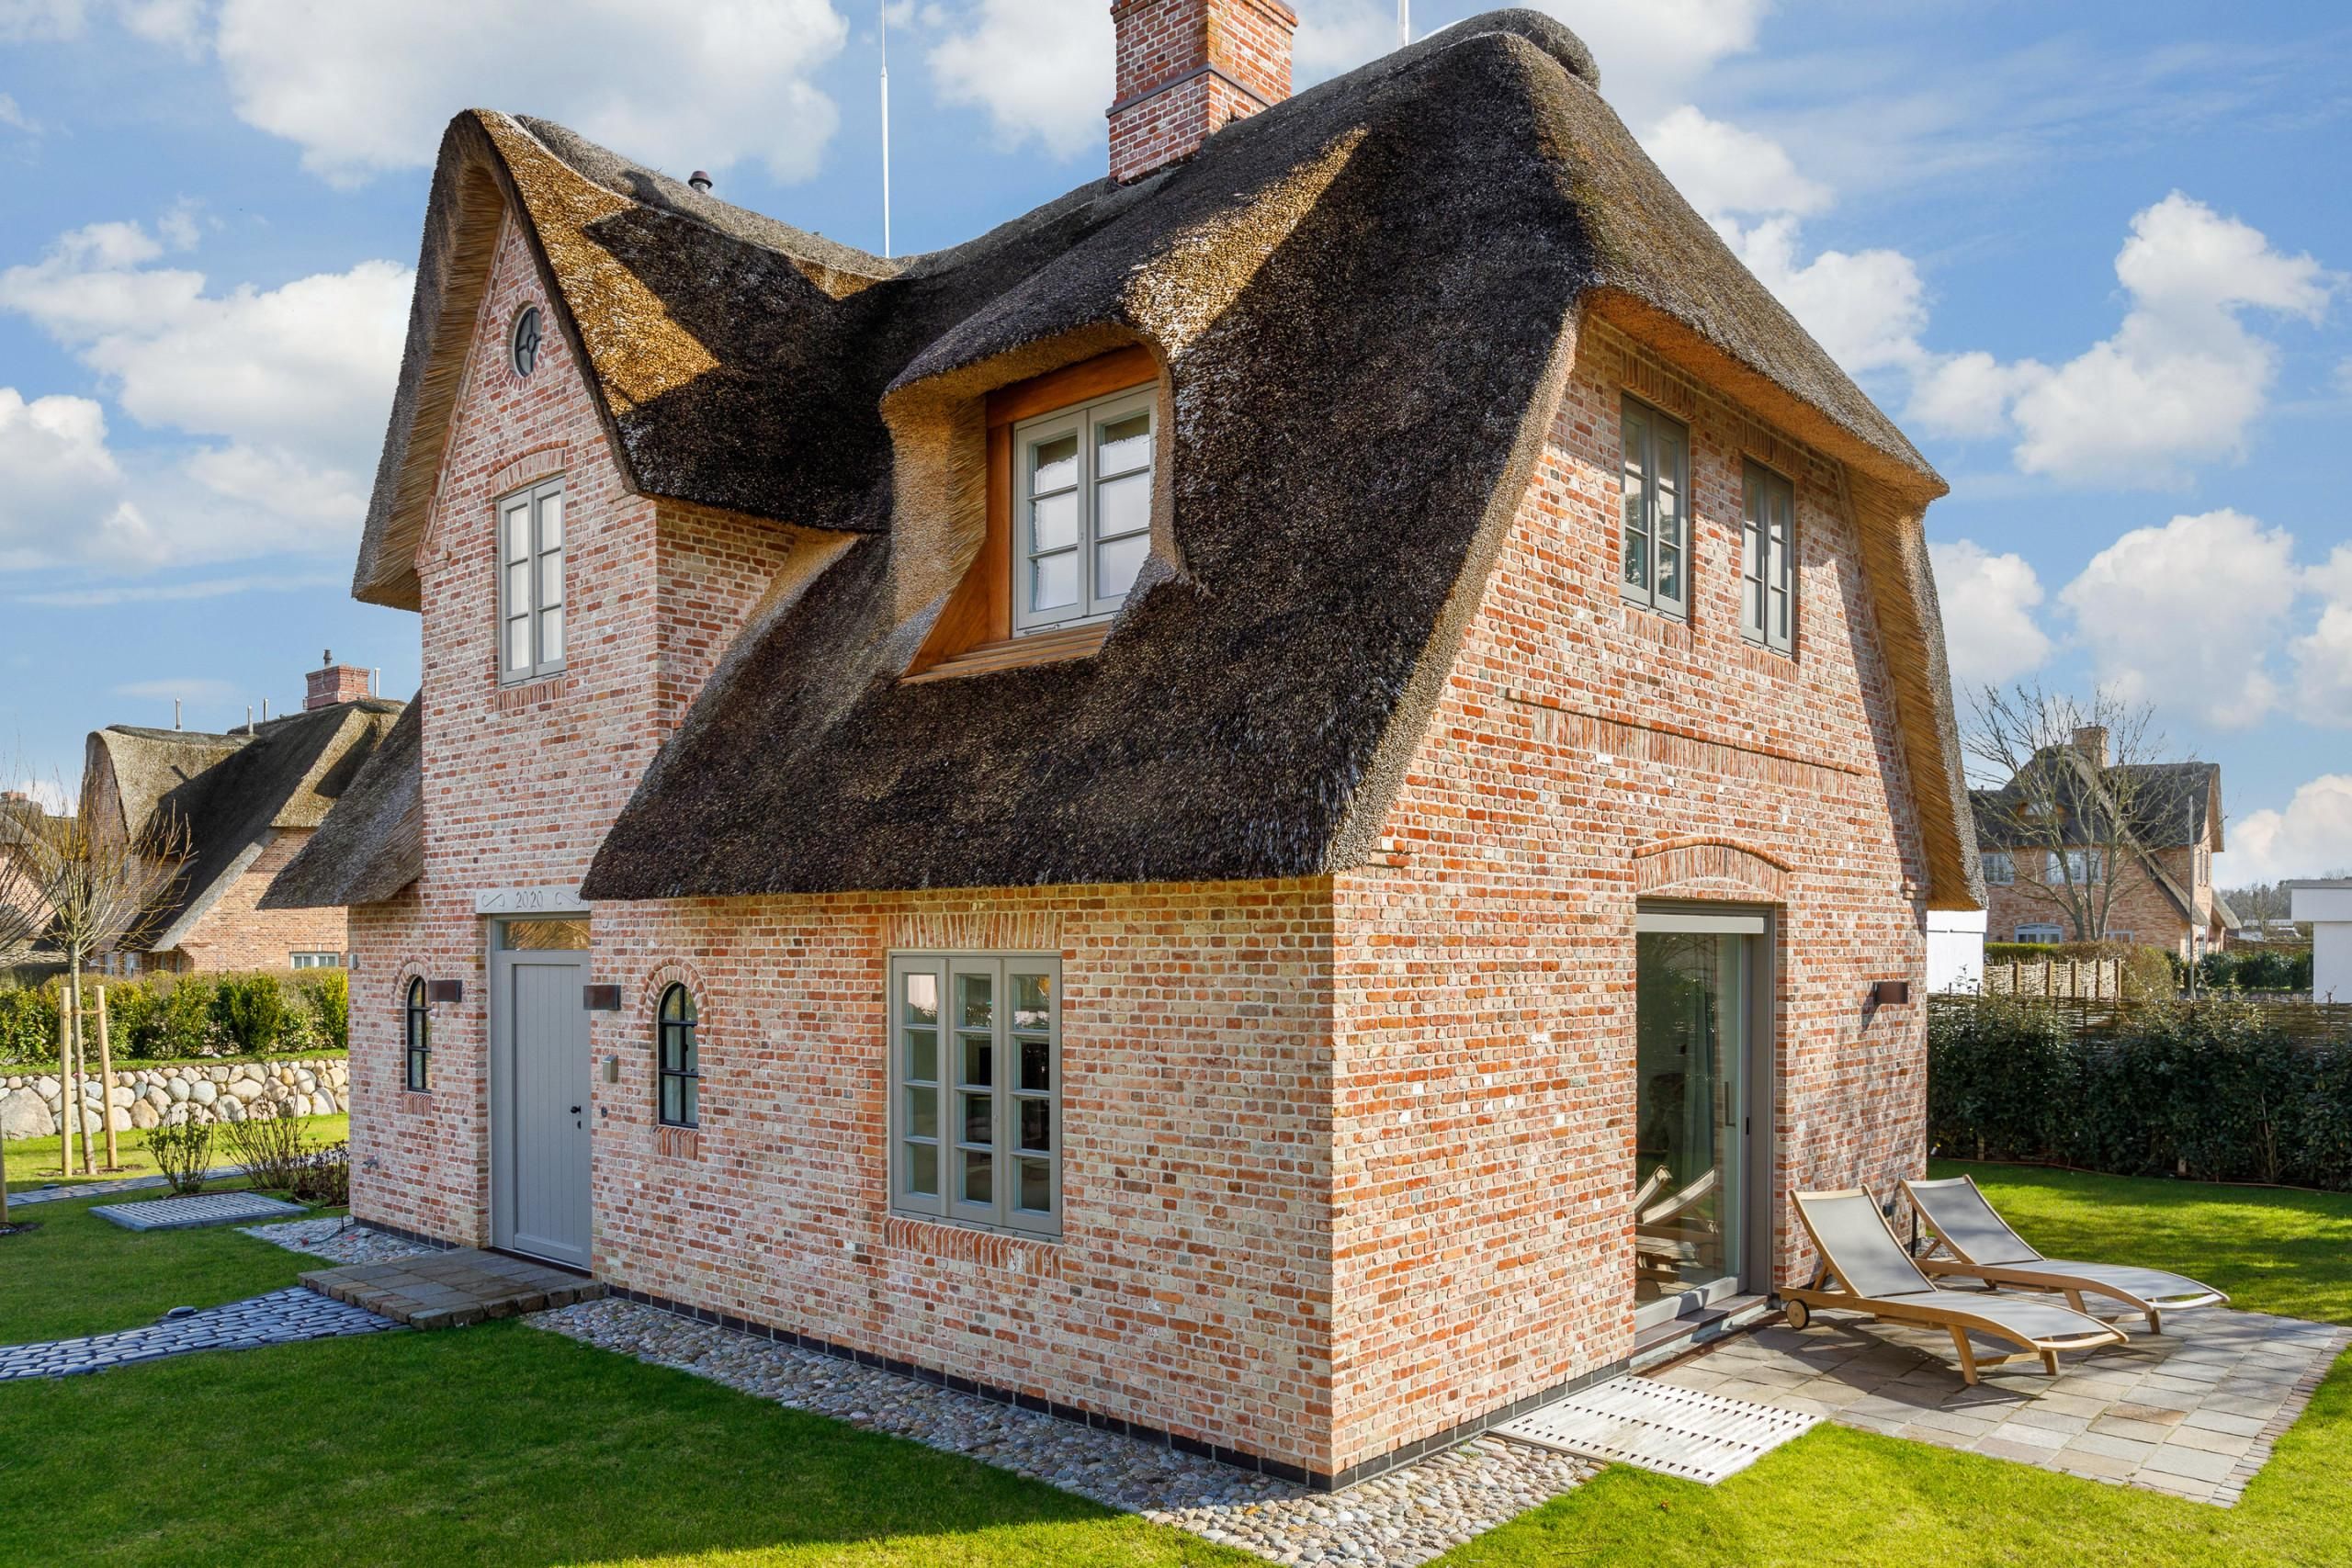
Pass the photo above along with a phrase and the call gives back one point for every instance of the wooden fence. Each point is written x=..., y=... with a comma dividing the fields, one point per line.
x=2095, y=978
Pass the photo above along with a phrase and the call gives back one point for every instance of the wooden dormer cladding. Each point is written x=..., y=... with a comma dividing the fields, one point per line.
x=974, y=632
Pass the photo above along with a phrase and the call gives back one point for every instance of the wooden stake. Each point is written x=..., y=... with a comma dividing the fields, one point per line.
x=68, y=1091
x=82, y=1070
x=105, y=1083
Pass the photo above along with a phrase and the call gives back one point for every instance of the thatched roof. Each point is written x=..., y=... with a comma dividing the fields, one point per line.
x=1364, y=299
x=372, y=846
x=229, y=793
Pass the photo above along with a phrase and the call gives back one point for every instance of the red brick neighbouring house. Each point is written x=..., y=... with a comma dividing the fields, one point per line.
x=239, y=804
x=1265, y=805
x=2168, y=829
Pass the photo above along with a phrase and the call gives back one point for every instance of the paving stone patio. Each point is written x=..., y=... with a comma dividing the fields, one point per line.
x=203, y=1208
x=448, y=1290
x=281, y=1317
x=2192, y=1412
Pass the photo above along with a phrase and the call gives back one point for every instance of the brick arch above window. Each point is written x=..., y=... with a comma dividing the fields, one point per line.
x=1701, y=864
x=657, y=983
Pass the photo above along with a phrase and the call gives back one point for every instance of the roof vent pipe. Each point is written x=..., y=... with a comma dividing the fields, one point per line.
x=249, y=718
x=700, y=181
x=176, y=713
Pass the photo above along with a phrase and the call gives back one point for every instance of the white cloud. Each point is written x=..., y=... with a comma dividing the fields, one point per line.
x=2322, y=689
x=15, y=118
x=2180, y=382
x=1042, y=69
x=194, y=688
x=2312, y=837
x=2187, y=614
x=39, y=21
x=1866, y=308
x=58, y=482
x=178, y=593
x=288, y=387
x=1722, y=169
x=1988, y=603
x=1652, y=54
x=49, y=792
x=366, y=85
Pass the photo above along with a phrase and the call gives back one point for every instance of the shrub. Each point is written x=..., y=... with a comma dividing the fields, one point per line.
x=2213, y=1089
x=267, y=1144
x=326, y=994
x=182, y=1153
x=324, y=1177
x=2257, y=969
x=251, y=1010
x=28, y=1026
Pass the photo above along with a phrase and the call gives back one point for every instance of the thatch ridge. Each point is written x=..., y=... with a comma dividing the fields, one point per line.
x=372, y=845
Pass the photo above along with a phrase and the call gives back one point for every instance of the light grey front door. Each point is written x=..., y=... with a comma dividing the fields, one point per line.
x=539, y=1089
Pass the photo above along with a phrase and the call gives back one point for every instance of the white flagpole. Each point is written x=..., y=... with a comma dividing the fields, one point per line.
x=1404, y=21
x=885, y=128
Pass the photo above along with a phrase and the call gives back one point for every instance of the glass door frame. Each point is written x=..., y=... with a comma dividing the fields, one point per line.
x=1757, y=928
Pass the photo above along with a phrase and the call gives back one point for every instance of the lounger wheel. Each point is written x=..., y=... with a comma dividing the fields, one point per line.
x=1799, y=1314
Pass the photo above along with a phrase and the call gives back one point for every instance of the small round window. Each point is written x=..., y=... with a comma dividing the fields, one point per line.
x=525, y=345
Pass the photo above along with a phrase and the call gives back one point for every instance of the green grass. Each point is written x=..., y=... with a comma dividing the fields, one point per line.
x=1842, y=1497
x=32, y=1162
x=78, y=1274
x=501, y=1444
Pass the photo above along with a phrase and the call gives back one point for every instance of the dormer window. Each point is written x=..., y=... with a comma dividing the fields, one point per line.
x=1084, y=510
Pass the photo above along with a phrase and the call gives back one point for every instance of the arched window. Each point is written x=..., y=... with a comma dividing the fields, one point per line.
x=420, y=1038
x=680, y=1063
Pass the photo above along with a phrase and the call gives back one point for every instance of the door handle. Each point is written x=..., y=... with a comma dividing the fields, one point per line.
x=575, y=1111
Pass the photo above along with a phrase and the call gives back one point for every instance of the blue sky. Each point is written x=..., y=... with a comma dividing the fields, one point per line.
x=2094, y=258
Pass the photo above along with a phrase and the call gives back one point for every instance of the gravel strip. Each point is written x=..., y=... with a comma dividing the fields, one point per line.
x=337, y=1239
x=1407, y=1517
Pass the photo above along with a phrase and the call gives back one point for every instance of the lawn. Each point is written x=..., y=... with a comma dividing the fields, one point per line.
x=501, y=1444
x=32, y=1162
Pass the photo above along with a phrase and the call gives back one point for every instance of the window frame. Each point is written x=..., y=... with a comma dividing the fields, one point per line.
x=1645, y=423
x=1084, y=420
x=1767, y=562
x=2031, y=933
x=534, y=500
x=2056, y=872
x=2002, y=862
x=416, y=1038
x=313, y=958
x=1000, y=1215
x=688, y=1030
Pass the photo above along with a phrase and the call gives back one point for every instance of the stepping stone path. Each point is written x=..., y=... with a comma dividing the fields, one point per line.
x=281, y=1317
x=100, y=1189
x=449, y=1289
x=204, y=1209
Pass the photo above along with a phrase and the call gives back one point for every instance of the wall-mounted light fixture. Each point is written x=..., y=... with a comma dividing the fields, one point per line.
x=439, y=991
x=1891, y=993
x=601, y=999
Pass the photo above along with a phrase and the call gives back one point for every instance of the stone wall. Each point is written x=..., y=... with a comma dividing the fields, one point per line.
x=200, y=1092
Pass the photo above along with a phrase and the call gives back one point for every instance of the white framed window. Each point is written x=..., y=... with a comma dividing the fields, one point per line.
x=317, y=960
x=1653, y=553
x=975, y=1084
x=1081, y=508
x=530, y=582
x=2000, y=867
x=2040, y=933
x=1768, y=588
x=2077, y=868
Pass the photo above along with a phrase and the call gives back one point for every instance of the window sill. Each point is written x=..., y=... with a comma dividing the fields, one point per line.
x=529, y=693
x=1056, y=647
x=1661, y=626
x=677, y=1143
x=931, y=1238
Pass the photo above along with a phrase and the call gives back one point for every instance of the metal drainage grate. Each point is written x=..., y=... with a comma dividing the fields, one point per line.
x=1637, y=1421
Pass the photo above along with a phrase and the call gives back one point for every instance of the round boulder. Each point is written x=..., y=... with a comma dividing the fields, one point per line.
x=25, y=1115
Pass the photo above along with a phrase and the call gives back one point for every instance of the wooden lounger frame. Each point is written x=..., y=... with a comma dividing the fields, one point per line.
x=1955, y=1317
x=2039, y=1276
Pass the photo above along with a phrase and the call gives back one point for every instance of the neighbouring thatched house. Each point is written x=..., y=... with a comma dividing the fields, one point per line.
x=2161, y=822
x=239, y=806
x=1171, y=811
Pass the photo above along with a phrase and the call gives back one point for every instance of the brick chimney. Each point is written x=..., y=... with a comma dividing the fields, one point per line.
x=1188, y=67
x=335, y=683
x=2091, y=741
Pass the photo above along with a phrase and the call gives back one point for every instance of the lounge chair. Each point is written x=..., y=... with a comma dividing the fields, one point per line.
x=1661, y=1249
x=1982, y=1247
x=1876, y=1276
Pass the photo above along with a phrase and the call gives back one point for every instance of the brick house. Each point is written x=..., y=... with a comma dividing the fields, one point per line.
x=2168, y=829
x=243, y=803
x=1266, y=806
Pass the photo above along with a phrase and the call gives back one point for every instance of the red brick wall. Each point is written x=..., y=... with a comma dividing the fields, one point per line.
x=1484, y=1078
x=2138, y=905
x=1164, y=103
x=235, y=934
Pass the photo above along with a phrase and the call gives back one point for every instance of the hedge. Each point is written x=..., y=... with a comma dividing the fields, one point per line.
x=2257, y=969
x=2212, y=1090
x=178, y=1018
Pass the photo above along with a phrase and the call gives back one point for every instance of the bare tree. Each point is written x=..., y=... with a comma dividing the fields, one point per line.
x=2074, y=802
x=104, y=892
x=25, y=863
